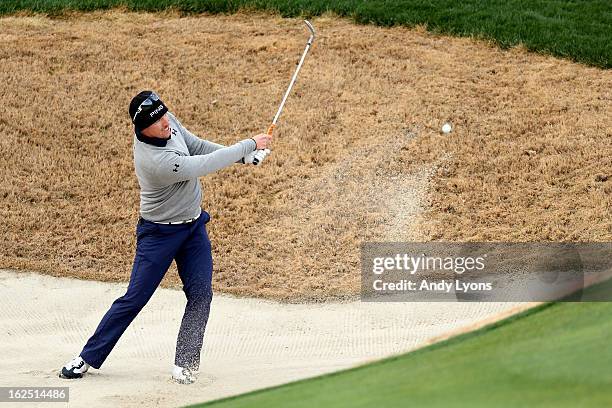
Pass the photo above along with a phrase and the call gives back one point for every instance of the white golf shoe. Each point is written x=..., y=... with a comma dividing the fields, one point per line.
x=75, y=368
x=183, y=375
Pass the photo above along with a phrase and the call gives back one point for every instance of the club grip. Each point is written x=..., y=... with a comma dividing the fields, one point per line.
x=271, y=129
x=269, y=132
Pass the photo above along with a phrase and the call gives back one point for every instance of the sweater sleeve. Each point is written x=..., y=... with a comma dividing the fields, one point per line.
x=195, y=145
x=173, y=168
x=199, y=146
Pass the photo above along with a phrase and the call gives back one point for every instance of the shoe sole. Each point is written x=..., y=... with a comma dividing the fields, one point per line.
x=67, y=375
x=184, y=382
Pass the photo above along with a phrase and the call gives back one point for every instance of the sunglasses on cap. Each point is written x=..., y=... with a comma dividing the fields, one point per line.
x=147, y=102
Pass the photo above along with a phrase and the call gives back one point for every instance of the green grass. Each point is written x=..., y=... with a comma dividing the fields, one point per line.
x=576, y=29
x=556, y=355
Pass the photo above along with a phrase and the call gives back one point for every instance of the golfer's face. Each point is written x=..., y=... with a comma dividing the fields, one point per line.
x=159, y=129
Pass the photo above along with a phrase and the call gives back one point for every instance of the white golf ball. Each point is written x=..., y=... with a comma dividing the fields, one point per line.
x=447, y=128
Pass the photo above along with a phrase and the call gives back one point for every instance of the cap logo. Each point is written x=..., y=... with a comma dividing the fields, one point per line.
x=156, y=111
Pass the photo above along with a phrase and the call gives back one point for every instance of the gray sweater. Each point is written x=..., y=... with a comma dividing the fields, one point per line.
x=168, y=175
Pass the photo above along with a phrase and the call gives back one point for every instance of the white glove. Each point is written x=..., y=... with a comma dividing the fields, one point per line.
x=256, y=157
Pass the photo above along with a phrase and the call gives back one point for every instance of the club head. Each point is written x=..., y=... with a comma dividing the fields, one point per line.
x=311, y=29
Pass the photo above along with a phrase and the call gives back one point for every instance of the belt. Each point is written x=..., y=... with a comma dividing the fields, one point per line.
x=178, y=222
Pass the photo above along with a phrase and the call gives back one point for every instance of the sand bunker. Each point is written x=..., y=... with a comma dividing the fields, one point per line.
x=249, y=344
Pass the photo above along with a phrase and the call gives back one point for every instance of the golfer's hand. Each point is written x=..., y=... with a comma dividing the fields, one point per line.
x=262, y=140
x=256, y=157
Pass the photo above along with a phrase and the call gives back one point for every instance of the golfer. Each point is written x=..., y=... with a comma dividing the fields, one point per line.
x=168, y=160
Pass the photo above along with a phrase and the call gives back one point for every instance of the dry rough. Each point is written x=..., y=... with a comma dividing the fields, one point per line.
x=357, y=149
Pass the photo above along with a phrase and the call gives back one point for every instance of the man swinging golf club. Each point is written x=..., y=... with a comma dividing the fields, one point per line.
x=168, y=160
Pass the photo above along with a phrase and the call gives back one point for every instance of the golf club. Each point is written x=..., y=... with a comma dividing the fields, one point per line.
x=295, y=74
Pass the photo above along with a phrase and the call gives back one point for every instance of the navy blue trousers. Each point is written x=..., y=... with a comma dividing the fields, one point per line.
x=156, y=246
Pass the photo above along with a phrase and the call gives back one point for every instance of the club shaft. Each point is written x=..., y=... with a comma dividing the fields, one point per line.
x=293, y=79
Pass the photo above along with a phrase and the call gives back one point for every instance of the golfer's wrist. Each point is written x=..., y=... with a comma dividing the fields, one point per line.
x=254, y=141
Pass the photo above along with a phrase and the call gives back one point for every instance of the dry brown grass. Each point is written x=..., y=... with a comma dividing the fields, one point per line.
x=529, y=158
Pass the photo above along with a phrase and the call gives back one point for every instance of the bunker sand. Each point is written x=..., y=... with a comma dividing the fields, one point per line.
x=249, y=344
